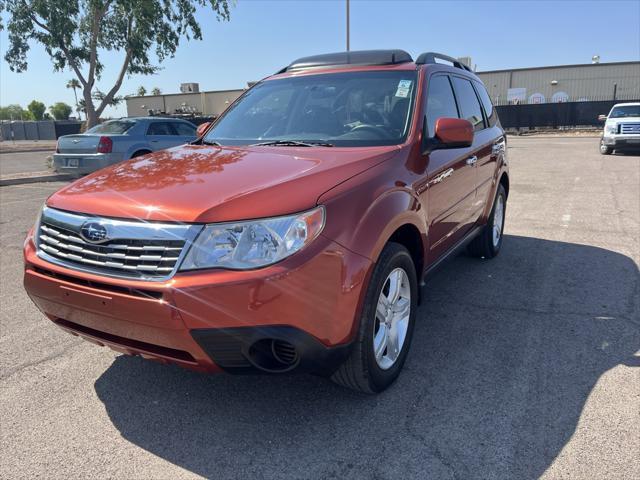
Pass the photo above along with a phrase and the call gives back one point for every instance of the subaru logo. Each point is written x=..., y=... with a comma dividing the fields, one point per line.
x=93, y=232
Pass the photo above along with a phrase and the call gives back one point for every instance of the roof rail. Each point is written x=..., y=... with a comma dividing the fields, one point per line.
x=360, y=57
x=430, y=57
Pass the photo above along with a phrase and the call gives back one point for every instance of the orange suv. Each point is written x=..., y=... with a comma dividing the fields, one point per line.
x=293, y=235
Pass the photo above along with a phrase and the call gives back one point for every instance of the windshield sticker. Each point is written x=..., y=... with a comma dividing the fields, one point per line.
x=403, y=88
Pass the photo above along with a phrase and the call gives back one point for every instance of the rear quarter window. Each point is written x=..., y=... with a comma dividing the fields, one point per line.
x=489, y=110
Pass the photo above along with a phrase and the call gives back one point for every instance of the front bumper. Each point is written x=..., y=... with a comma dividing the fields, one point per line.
x=215, y=319
x=83, y=163
x=622, y=141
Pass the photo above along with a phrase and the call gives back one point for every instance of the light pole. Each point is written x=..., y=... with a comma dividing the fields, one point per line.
x=347, y=25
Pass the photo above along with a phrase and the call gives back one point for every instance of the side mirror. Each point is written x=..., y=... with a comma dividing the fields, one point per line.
x=602, y=118
x=202, y=128
x=452, y=133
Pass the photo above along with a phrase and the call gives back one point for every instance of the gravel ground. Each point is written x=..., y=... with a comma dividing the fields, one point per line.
x=522, y=367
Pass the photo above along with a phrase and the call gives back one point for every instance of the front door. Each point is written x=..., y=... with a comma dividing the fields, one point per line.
x=448, y=189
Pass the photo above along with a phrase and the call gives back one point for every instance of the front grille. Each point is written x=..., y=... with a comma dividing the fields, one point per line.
x=630, y=128
x=133, y=249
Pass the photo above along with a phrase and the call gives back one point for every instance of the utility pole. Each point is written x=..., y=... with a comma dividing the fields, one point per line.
x=347, y=25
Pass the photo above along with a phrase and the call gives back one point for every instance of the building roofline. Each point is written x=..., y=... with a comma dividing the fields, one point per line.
x=575, y=65
x=187, y=93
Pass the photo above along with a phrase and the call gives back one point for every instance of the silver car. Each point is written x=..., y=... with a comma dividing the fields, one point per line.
x=117, y=140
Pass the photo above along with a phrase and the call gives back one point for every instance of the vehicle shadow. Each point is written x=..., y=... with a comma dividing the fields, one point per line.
x=504, y=357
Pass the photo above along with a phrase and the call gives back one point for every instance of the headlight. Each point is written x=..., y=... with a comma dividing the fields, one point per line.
x=612, y=128
x=253, y=244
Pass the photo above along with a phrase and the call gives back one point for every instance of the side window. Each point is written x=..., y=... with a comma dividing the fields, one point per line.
x=440, y=101
x=486, y=103
x=468, y=102
x=160, y=128
x=184, y=129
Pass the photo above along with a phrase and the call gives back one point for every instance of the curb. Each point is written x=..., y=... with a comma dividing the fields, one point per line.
x=55, y=177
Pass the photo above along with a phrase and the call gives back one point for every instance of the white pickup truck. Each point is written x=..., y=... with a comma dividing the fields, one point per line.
x=621, y=128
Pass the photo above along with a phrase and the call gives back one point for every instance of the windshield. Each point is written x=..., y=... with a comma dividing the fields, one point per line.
x=343, y=109
x=112, y=126
x=626, y=111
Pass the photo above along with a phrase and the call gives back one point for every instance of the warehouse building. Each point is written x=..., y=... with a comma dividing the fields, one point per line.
x=564, y=83
x=190, y=102
x=556, y=84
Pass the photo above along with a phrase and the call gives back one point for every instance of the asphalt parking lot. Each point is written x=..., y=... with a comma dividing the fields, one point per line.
x=522, y=367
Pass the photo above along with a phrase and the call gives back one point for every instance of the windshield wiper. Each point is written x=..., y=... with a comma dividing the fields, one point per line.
x=206, y=142
x=291, y=143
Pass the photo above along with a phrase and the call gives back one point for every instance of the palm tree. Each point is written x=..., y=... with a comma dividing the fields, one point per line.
x=156, y=91
x=142, y=91
x=75, y=84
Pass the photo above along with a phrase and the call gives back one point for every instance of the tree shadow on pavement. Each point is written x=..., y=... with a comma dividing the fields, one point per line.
x=504, y=356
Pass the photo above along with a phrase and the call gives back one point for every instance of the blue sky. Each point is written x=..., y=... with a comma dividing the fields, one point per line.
x=263, y=36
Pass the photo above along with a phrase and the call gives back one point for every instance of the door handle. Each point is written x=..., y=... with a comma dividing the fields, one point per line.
x=155, y=141
x=472, y=160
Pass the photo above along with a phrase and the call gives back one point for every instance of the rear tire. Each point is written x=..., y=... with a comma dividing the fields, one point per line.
x=385, y=326
x=487, y=244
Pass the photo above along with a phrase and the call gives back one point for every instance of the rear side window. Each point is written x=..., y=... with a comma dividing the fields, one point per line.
x=468, y=102
x=440, y=101
x=486, y=103
x=184, y=129
x=160, y=128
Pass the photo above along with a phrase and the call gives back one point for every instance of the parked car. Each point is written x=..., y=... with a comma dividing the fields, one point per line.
x=116, y=140
x=294, y=234
x=621, y=128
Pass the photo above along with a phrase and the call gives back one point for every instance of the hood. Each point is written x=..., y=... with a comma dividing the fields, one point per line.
x=197, y=183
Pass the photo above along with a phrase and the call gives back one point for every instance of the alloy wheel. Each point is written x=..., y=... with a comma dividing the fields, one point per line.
x=392, y=318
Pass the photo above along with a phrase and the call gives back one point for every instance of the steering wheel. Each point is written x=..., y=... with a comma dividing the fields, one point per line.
x=372, y=128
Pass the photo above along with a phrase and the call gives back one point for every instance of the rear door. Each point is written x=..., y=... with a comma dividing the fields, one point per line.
x=492, y=146
x=161, y=135
x=479, y=157
x=449, y=185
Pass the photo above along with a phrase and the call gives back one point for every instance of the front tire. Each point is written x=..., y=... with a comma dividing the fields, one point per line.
x=385, y=325
x=604, y=149
x=487, y=244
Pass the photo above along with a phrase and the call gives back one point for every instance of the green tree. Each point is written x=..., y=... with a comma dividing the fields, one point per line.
x=141, y=91
x=14, y=112
x=75, y=34
x=36, y=109
x=60, y=111
x=156, y=91
x=75, y=85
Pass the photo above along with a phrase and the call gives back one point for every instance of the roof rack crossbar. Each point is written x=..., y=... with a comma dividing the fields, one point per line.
x=431, y=57
x=361, y=57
